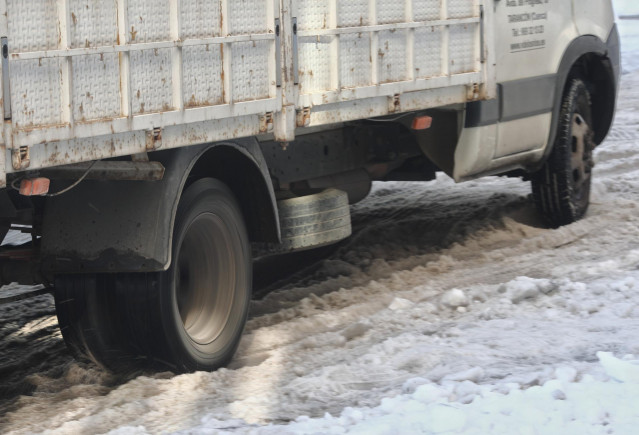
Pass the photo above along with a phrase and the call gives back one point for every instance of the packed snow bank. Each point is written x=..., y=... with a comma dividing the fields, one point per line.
x=568, y=402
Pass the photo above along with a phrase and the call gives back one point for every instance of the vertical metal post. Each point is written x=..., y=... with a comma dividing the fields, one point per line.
x=5, y=142
x=335, y=47
x=482, y=30
x=284, y=122
x=272, y=20
x=125, y=59
x=445, y=40
x=372, y=17
x=176, y=55
x=410, y=42
x=66, y=72
x=5, y=78
x=227, y=53
x=6, y=87
x=296, y=49
x=278, y=53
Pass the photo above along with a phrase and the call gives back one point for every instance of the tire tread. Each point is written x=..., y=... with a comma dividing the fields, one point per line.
x=551, y=186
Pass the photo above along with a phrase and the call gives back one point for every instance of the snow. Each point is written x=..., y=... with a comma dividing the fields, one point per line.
x=619, y=370
x=454, y=298
x=558, y=406
x=451, y=310
x=626, y=7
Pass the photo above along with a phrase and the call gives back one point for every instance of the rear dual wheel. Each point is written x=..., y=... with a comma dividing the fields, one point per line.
x=190, y=317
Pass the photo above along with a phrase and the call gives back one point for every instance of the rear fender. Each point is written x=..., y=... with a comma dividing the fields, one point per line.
x=127, y=226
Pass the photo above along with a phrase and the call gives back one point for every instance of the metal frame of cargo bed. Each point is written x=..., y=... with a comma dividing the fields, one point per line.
x=125, y=90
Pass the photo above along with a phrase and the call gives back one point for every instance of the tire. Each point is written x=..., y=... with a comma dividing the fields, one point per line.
x=313, y=221
x=89, y=319
x=561, y=188
x=190, y=317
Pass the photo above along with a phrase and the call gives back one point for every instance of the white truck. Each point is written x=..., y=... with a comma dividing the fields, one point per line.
x=147, y=143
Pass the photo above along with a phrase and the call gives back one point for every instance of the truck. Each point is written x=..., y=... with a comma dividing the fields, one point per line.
x=149, y=146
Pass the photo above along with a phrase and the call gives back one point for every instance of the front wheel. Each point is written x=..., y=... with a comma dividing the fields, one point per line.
x=561, y=188
x=190, y=317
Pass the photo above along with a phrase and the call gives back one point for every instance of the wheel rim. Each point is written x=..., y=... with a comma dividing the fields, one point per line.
x=581, y=161
x=205, y=278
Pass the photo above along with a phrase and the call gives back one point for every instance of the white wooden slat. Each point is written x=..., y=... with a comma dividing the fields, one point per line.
x=389, y=89
x=54, y=53
x=388, y=27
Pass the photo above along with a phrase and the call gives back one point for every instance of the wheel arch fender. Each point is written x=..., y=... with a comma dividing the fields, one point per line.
x=242, y=167
x=598, y=63
x=127, y=226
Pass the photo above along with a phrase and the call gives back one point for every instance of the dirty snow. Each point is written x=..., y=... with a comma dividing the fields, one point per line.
x=451, y=310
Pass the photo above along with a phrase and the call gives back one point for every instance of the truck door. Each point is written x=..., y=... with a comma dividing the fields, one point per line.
x=531, y=37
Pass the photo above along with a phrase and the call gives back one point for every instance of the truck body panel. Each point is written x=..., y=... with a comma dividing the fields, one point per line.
x=593, y=17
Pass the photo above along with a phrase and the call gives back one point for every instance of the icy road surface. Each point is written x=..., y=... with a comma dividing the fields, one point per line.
x=451, y=310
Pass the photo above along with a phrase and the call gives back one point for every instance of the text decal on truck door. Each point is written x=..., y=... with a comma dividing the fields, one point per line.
x=528, y=24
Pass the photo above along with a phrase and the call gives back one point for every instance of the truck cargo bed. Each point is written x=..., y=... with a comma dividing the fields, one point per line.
x=85, y=80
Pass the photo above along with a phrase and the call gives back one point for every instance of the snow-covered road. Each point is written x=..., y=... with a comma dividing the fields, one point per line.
x=451, y=310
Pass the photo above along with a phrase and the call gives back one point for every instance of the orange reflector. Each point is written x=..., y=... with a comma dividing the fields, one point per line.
x=422, y=122
x=34, y=186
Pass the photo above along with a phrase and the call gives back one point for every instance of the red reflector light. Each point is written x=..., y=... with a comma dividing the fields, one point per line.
x=34, y=186
x=422, y=122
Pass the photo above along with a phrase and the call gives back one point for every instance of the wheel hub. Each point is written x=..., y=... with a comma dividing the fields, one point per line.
x=581, y=162
x=204, y=276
